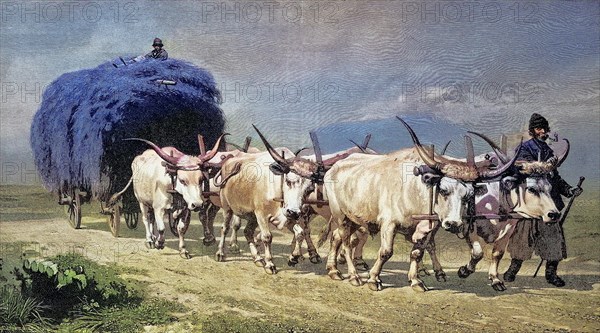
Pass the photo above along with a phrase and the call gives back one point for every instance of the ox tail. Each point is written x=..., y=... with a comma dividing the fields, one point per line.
x=115, y=197
x=325, y=233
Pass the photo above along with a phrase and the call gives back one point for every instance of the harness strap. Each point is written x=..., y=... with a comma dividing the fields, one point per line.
x=236, y=169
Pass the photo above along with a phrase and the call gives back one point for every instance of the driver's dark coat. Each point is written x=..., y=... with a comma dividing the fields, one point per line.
x=546, y=239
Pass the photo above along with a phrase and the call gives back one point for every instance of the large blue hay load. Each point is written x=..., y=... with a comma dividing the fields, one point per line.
x=76, y=135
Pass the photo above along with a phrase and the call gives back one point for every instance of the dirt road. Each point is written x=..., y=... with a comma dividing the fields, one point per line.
x=303, y=297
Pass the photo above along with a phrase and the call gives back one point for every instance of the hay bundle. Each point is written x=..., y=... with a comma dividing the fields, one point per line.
x=76, y=134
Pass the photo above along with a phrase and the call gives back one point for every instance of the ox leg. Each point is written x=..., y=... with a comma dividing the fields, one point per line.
x=148, y=220
x=440, y=275
x=332, y=262
x=266, y=238
x=386, y=250
x=346, y=229
x=182, y=226
x=313, y=255
x=160, y=216
x=207, y=218
x=298, y=236
x=359, y=240
x=419, y=238
x=341, y=254
x=476, y=256
x=236, y=223
x=227, y=217
x=498, y=252
x=249, y=234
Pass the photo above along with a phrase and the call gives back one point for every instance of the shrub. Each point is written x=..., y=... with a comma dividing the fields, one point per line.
x=72, y=284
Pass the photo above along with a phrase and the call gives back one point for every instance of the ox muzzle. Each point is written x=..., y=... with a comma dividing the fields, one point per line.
x=452, y=226
x=292, y=214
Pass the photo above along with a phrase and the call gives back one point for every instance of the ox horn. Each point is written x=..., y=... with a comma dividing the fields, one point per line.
x=470, y=152
x=168, y=158
x=297, y=152
x=446, y=147
x=430, y=161
x=362, y=149
x=210, y=154
x=563, y=157
x=499, y=152
x=488, y=173
x=328, y=163
x=278, y=158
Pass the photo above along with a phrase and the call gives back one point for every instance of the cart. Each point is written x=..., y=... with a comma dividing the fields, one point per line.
x=77, y=133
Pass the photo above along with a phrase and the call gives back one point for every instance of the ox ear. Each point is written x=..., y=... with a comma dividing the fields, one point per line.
x=279, y=169
x=509, y=183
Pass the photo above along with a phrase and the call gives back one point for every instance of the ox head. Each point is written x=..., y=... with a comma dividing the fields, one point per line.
x=529, y=184
x=298, y=174
x=453, y=180
x=188, y=170
x=531, y=190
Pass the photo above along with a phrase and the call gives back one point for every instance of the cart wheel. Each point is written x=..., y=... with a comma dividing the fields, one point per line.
x=173, y=223
x=73, y=210
x=131, y=219
x=114, y=220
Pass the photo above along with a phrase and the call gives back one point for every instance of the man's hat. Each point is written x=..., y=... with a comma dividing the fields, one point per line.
x=157, y=42
x=538, y=121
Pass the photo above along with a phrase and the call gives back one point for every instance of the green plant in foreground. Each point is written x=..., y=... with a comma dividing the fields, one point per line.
x=21, y=312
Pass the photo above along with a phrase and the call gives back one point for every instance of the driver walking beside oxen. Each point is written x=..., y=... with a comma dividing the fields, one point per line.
x=546, y=239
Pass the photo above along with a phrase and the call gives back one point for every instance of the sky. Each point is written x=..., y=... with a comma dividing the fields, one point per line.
x=342, y=68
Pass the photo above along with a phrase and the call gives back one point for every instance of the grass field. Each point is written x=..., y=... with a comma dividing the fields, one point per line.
x=236, y=296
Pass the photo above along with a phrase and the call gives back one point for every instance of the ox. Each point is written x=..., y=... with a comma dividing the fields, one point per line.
x=527, y=193
x=322, y=209
x=249, y=190
x=156, y=183
x=373, y=188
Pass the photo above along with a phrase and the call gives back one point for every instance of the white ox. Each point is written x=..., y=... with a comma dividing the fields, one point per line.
x=366, y=189
x=154, y=188
x=526, y=193
x=251, y=187
x=315, y=208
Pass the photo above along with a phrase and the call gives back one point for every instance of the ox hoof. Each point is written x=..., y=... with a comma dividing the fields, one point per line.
x=341, y=260
x=356, y=281
x=234, y=248
x=361, y=265
x=464, y=272
x=498, y=285
x=260, y=262
x=294, y=260
x=208, y=241
x=315, y=258
x=149, y=245
x=272, y=270
x=159, y=245
x=185, y=255
x=440, y=276
x=220, y=257
x=375, y=285
x=336, y=275
x=419, y=286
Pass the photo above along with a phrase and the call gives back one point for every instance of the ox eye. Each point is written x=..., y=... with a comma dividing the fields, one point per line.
x=288, y=183
x=183, y=182
x=533, y=191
